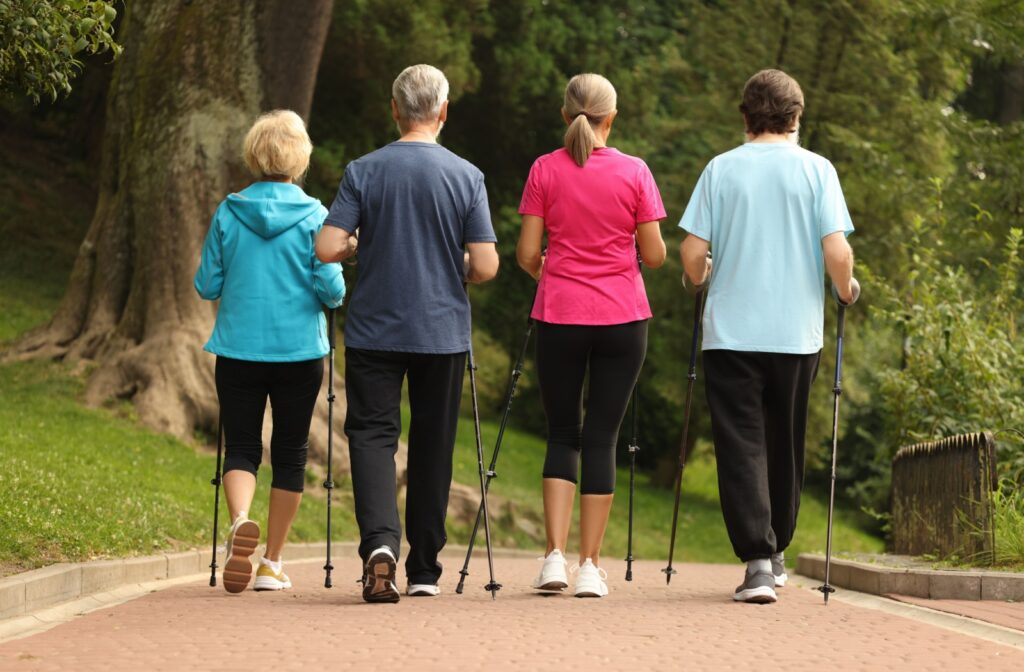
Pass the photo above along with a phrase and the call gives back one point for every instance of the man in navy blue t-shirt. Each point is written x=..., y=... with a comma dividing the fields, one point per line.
x=424, y=228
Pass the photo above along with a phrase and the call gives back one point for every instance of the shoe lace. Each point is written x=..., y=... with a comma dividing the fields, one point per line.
x=544, y=558
x=600, y=570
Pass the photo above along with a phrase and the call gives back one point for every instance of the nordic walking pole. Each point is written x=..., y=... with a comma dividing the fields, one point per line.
x=329, y=483
x=698, y=313
x=634, y=448
x=215, y=482
x=837, y=389
x=493, y=585
x=517, y=371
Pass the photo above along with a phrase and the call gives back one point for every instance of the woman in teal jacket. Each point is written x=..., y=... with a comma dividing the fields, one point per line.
x=270, y=337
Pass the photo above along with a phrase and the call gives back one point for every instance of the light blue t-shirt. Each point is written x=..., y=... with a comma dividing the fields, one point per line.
x=764, y=208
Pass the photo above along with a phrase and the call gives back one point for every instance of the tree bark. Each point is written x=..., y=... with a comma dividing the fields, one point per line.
x=192, y=78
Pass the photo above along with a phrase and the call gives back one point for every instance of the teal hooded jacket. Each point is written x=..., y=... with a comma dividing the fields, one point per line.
x=259, y=260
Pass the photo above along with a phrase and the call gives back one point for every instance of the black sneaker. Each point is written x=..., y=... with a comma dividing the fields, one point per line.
x=758, y=588
x=379, y=577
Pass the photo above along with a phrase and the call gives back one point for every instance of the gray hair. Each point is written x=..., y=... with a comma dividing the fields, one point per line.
x=419, y=91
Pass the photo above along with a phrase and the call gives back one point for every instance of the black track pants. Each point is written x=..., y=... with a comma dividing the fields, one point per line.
x=243, y=388
x=373, y=424
x=758, y=404
x=614, y=355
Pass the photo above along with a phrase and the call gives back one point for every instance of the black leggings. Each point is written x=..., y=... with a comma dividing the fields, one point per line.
x=614, y=355
x=243, y=388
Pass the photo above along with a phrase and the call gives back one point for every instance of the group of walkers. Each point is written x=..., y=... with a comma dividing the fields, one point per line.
x=419, y=218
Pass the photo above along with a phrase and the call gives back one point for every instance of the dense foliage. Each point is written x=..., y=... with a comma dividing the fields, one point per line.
x=41, y=42
x=918, y=103
x=889, y=100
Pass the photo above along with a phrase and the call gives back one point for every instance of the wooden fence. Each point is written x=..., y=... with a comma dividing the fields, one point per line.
x=942, y=497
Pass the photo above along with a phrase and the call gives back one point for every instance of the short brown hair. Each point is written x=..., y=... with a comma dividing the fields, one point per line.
x=772, y=101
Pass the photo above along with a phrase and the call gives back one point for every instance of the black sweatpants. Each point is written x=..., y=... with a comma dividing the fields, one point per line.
x=614, y=355
x=242, y=389
x=758, y=403
x=373, y=385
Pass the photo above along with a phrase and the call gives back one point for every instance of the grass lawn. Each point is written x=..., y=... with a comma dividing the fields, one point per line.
x=701, y=536
x=80, y=483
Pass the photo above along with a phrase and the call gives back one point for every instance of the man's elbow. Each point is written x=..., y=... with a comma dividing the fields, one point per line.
x=486, y=271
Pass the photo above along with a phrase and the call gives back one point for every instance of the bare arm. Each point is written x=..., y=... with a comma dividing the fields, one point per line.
x=839, y=263
x=481, y=262
x=335, y=244
x=696, y=265
x=529, y=249
x=652, y=246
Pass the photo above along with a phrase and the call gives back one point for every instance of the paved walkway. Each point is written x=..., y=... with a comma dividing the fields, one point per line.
x=692, y=624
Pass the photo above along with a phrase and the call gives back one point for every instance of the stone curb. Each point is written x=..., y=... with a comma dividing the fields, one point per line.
x=29, y=592
x=935, y=584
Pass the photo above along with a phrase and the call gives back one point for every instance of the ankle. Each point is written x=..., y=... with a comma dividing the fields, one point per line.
x=759, y=565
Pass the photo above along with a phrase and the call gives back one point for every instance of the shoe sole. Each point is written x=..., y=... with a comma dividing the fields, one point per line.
x=588, y=591
x=762, y=595
x=781, y=579
x=552, y=587
x=238, y=568
x=379, y=579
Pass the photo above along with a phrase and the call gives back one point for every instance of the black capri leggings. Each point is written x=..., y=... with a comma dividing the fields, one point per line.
x=243, y=388
x=614, y=355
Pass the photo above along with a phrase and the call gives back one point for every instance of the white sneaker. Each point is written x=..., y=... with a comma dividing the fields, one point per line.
x=269, y=579
x=379, y=577
x=422, y=590
x=552, y=578
x=590, y=582
x=243, y=537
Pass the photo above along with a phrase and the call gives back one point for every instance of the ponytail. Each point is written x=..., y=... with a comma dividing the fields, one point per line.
x=589, y=99
x=580, y=139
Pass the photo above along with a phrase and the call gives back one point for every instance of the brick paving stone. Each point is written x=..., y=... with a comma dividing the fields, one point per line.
x=692, y=624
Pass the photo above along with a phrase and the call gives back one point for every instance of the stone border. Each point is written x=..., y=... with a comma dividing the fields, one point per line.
x=39, y=589
x=942, y=619
x=28, y=592
x=936, y=584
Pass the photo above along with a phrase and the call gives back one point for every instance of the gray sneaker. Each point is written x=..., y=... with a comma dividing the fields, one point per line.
x=758, y=588
x=779, y=569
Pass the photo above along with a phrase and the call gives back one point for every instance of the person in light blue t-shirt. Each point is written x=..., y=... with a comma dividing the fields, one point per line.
x=775, y=217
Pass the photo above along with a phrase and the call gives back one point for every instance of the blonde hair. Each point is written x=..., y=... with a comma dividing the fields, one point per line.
x=589, y=99
x=419, y=91
x=277, y=145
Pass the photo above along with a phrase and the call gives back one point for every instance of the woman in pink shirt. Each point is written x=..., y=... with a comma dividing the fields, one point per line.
x=597, y=206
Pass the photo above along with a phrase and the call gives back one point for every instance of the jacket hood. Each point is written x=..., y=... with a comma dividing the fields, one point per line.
x=271, y=208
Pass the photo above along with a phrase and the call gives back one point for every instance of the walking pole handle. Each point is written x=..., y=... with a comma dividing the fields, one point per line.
x=856, y=293
x=693, y=289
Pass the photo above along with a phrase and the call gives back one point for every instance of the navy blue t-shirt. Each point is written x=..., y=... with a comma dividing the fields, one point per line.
x=416, y=206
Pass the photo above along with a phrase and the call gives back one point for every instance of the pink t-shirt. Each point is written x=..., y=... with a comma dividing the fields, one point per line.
x=591, y=274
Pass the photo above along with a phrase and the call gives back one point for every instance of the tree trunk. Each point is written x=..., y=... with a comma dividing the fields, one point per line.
x=193, y=77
